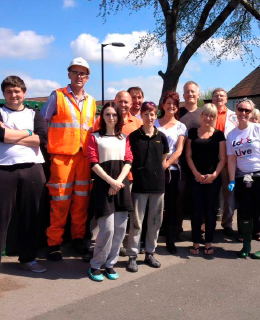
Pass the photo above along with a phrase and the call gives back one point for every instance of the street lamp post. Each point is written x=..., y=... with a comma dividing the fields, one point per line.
x=115, y=44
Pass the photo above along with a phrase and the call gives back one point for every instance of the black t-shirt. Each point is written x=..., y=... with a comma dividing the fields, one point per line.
x=147, y=169
x=205, y=152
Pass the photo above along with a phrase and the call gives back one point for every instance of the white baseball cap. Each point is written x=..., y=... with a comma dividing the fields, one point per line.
x=79, y=62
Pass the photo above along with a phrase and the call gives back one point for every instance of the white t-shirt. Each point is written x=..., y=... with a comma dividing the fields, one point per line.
x=172, y=134
x=11, y=154
x=245, y=145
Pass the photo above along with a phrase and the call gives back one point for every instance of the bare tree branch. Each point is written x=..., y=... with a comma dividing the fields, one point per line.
x=183, y=26
x=204, y=15
x=251, y=9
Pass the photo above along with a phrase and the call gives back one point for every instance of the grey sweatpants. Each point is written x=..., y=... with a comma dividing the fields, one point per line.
x=154, y=221
x=110, y=236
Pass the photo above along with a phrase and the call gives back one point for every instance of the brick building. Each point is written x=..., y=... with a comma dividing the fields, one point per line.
x=248, y=87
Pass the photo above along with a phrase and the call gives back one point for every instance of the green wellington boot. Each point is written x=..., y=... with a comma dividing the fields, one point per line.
x=246, y=227
x=256, y=255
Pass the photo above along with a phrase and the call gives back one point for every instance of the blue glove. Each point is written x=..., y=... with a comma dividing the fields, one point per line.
x=231, y=185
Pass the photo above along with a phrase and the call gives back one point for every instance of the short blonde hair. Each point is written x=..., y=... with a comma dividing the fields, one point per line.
x=210, y=109
x=191, y=82
x=246, y=100
x=255, y=114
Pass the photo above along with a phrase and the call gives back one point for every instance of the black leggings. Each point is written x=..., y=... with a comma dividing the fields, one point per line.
x=21, y=189
x=248, y=202
x=205, y=197
x=170, y=198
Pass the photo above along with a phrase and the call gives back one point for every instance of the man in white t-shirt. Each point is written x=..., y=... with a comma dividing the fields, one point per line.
x=22, y=131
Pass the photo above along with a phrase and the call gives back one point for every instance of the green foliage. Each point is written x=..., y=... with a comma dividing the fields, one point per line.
x=205, y=95
x=234, y=36
x=224, y=28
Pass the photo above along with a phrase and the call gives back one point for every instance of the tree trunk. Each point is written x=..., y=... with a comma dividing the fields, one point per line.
x=176, y=66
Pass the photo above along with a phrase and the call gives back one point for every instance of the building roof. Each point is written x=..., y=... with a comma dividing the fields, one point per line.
x=249, y=86
x=42, y=99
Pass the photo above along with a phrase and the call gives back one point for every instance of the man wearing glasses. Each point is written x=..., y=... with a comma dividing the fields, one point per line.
x=226, y=122
x=70, y=113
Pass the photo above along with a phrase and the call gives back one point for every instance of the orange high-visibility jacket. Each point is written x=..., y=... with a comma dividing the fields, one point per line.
x=69, y=129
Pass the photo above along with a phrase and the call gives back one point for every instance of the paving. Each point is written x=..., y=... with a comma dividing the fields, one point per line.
x=185, y=287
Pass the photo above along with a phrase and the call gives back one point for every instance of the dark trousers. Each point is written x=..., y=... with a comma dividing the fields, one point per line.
x=184, y=201
x=170, y=200
x=205, y=197
x=248, y=204
x=21, y=189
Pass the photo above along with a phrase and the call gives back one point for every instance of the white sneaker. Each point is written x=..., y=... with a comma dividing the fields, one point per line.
x=33, y=266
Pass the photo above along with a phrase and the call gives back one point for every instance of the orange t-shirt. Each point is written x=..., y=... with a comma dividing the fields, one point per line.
x=221, y=119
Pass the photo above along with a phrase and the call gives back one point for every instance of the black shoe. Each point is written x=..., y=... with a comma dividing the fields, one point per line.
x=171, y=248
x=88, y=256
x=132, y=265
x=54, y=253
x=228, y=231
x=151, y=261
x=142, y=250
x=122, y=252
x=78, y=245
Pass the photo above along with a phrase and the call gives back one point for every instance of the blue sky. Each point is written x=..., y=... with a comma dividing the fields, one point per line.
x=38, y=39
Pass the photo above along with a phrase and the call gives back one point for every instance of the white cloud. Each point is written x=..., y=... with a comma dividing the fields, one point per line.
x=151, y=86
x=219, y=44
x=39, y=87
x=89, y=47
x=24, y=45
x=35, y=87
x=69, y=4
x=192, y=66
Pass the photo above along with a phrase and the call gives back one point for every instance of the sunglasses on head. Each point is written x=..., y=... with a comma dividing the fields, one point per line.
x=150, y=103
x=247, y=111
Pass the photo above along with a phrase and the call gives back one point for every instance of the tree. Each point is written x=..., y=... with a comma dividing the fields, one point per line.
x=205, y=95
x=183, y=26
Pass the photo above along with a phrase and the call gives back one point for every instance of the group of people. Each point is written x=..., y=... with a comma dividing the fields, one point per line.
x=132, y=164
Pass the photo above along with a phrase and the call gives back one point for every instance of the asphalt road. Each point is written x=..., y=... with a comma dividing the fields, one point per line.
x=186, y=287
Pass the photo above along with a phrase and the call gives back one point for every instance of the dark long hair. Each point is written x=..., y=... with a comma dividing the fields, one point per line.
x=118, y=125
x=176, y=99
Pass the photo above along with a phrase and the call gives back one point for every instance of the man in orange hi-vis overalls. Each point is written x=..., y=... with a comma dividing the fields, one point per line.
x=70, y=113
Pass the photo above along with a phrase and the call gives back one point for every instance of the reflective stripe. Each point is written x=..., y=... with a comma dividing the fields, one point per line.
x=61, y=198
x=89, y=109
x=64, y=125
x=62, y=185
x=82, y=182
x=81, y=193
x=72, y=109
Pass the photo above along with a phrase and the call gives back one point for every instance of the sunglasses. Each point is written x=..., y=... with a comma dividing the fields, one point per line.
x=150, y=103
x=247, y=111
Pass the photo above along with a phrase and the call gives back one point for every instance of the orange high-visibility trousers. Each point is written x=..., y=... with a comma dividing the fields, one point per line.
x=69, y=187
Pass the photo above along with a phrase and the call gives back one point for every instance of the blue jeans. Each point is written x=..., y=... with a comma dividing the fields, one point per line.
x=205, y=197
